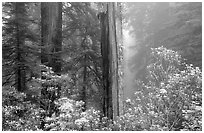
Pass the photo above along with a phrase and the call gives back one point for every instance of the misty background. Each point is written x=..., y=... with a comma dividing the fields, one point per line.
x=176, y=26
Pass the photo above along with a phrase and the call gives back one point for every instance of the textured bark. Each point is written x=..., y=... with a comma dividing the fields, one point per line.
x=107, y=104
x=113, y=59
x=119, y=40
x=110, y=38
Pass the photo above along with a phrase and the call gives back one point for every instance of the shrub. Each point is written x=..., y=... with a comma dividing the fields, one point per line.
x=172, y=95
x=72, y=117
x=23, y=111
x=17, y=114
x=170, y=100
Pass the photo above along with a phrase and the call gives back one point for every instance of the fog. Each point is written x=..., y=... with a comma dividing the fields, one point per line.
x=128, y=41
x=146, y=25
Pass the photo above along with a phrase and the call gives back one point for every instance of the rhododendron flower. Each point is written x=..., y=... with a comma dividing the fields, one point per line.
x=163, y=91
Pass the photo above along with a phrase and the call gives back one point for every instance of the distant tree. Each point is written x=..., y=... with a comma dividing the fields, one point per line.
x=81, y=53
x=186, y=32
x=17, y=40
x=51, y=21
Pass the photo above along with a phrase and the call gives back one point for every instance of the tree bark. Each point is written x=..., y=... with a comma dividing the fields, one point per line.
x=20, y=40
x=113, y=59
x=110, y=39
x=107, y=104
x=119, y=40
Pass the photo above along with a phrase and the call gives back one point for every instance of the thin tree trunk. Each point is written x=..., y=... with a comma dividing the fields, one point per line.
x=84, y=84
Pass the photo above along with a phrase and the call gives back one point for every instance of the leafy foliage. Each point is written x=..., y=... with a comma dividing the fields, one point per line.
x=17, y=113
x=167, y=97
x=83, y=59
x=171, y=100
x=18, y=40
x=172, y=95
x=72, y=118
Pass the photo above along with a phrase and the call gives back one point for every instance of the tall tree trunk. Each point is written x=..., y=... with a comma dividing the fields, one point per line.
x=113, y=58
x=107, y=104
x=119, y=40
x=51, y=35
x=110, y=39
x=20, y=40
x=57, y=38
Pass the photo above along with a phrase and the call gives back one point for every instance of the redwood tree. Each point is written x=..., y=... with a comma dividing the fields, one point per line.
x=51, y=37
x=110, y=39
